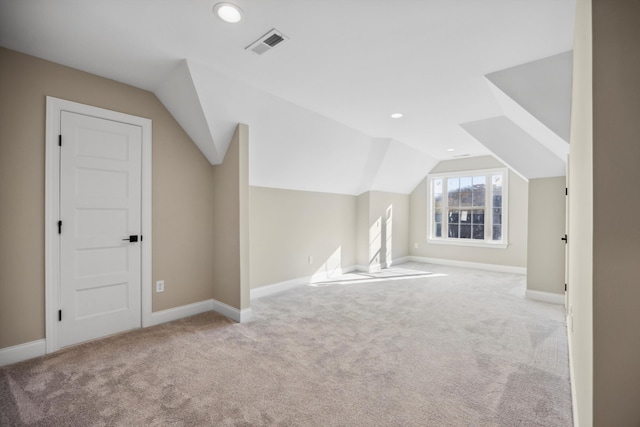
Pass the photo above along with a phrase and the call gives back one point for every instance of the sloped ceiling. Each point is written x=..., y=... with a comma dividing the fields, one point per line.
x=181, y=97
x=543, y=88
x=516, y=148
x=318, y=105
x=535, y=99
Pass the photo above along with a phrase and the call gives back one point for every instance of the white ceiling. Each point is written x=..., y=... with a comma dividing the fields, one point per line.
x=318, y=105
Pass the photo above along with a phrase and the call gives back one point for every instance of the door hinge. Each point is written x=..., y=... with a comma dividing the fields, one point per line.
x=60, y=140
x=565, y=287
x=566, y=191
x=141, y=237
x=565, y=238
x=59, y=315
x=59, y=227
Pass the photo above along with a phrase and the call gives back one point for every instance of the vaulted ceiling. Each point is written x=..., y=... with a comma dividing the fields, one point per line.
x=481, y=77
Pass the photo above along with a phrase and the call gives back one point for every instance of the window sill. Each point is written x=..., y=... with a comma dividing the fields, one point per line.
x=469, y=243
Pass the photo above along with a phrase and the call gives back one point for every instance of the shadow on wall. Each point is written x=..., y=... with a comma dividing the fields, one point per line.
x=381, y=241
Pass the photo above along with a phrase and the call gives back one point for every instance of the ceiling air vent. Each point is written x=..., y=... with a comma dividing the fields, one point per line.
x=266, y=42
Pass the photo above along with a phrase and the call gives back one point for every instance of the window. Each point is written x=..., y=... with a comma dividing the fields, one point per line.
x=468, y=208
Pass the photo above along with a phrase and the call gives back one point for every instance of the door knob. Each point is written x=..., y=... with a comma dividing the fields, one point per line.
x=132, y=239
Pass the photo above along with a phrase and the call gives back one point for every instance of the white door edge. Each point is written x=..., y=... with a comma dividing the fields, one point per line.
x=52, y=208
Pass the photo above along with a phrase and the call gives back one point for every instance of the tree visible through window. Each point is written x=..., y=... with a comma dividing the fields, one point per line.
x=468, y=207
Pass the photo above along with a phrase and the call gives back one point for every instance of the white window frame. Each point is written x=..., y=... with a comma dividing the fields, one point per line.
x=445, y=240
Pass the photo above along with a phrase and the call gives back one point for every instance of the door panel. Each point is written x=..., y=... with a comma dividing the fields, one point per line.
x=100, y=205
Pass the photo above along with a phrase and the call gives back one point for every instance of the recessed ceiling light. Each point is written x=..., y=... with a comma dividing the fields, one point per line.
x=451, y=149
x=396, y=115
x=228, y=12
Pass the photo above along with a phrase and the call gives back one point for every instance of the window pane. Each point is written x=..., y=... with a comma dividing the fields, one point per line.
x=497, y=232
x=478, y=195
x=438, y=230
x=437, y=200
x=453, y=230
x=465, y=231
x=478, y=216
x=465, y=199
x=453, y=184
x=465, y=183
x=454, y=217
x=478, y=232
x=454, y=199
x=465, y=190
x=497, y=216
x=496, y=181
x=465, y=217
x=479, y=180
x=437, y=186
x=497, y=200
x=437, y=215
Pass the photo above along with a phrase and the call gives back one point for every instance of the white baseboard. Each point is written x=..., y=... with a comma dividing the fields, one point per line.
x=544, y=296
x=467, y=264
x=176, y=313
x=398, y=261
x=240, y=316
x=274, y=288
x=200, y=307
x=20, y=352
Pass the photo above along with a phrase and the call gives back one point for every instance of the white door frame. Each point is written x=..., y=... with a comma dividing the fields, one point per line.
x=567, y=248
x=52, y=208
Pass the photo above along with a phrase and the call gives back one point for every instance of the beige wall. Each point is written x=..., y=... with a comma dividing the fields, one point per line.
x=616, y=204
x=288, y=226
x=363, y=228
x=382, y=229
x=244, y=219
x=182, y=200
x=231, y=275
x=515, y=255
x=392, y=210
x=546, y=225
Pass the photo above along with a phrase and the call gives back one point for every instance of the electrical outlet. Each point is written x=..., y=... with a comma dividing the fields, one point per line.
x=160, y=286
x=310, y=259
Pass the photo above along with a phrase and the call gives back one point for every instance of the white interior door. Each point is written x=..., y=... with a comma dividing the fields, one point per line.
x=100, y=207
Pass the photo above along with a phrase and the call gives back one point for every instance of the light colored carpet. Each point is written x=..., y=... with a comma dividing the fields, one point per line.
x=425, y=346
